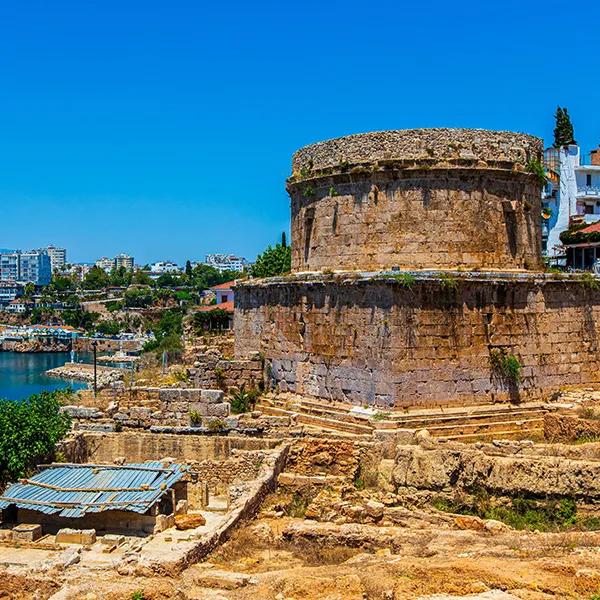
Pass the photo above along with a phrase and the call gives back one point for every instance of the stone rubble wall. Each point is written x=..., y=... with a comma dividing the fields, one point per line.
x=212, y=370
x=241, y=465
x=145, y=407
x=515, y=469
x=376, y=341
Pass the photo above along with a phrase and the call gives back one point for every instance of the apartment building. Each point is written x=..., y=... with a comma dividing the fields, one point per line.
x=26, y=267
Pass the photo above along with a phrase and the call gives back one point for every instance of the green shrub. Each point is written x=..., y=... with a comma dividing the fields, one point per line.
x=243, y=400
x=138, y=595
x=29, y=431
x=522, y=513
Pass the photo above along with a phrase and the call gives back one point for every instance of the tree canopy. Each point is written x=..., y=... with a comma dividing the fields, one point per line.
x=274, y=261
x=29, y=431
x=563, y=130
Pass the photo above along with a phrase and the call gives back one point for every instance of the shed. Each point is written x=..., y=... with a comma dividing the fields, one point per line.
x=109, y=498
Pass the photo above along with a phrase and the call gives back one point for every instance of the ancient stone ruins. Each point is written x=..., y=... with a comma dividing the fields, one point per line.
x=413, y=412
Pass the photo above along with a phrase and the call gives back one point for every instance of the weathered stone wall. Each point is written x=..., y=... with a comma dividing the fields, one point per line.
x=375, y=341
x=432, y=198
x=211, y=370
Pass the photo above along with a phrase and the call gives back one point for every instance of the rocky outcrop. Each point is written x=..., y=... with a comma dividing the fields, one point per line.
x=568, y=428
x=36, y=345
x=512, y=469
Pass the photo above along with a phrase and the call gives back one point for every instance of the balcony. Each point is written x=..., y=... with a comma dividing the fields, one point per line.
x=588, y=191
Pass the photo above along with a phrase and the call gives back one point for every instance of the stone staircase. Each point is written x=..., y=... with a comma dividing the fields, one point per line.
x=473, y=423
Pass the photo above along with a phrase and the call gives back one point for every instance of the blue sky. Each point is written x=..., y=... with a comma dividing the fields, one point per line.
x=165, y=129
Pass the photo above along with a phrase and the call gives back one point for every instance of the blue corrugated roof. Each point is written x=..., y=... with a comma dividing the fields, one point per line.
x=71, y=490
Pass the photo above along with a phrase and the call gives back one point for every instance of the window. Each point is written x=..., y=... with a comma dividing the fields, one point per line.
x=224, y=298
x=588, y=180
x=589, y=209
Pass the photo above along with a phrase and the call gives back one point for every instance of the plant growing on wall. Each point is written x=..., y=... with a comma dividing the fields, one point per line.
x=195, y=418
x=589, y=281
x=536, y=167
x=309, y=191
x=448, y=281
x=506, y=366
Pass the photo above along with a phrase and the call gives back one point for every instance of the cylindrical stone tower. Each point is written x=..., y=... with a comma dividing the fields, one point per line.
x=417, y=199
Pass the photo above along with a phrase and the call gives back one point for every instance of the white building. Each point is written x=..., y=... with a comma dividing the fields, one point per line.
x=124, y=260
x=572, y=189
x=164, y=266
x=58, y=258
x=226, y=262
x=108, y=264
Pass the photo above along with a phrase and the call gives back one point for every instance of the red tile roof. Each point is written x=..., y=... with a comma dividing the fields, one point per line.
x=592, y=228
x=224, y=286
x=228, y=306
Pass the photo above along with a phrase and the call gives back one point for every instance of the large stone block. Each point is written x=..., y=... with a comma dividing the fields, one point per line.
x=76, y=536
x=212, y=396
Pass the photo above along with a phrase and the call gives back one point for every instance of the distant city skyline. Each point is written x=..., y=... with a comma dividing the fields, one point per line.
x=142, y=129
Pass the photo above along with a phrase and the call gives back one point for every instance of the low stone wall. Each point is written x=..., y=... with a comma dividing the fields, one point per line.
x=566, y=428
x=113, y=521
x=421, y=339
x=134, y=446
x=247, y=497
x=508, y=469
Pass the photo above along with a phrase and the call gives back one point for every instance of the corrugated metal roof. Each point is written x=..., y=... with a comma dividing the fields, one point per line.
x=71, y=490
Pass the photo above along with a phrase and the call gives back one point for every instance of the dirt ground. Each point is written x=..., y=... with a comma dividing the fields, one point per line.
x=259, y=563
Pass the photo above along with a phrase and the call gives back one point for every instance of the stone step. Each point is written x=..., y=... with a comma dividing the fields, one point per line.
x=480, y=428
x=411, y=422
x=506, y=434
x=321, y=422
x=457, y=421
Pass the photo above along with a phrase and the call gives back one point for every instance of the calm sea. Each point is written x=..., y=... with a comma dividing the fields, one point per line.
x=22, y=374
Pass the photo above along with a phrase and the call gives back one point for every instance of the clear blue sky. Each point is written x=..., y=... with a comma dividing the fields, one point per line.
x=165, y=129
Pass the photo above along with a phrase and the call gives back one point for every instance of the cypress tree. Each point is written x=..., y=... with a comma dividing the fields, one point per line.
x=563, y=131
x=283, y=240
